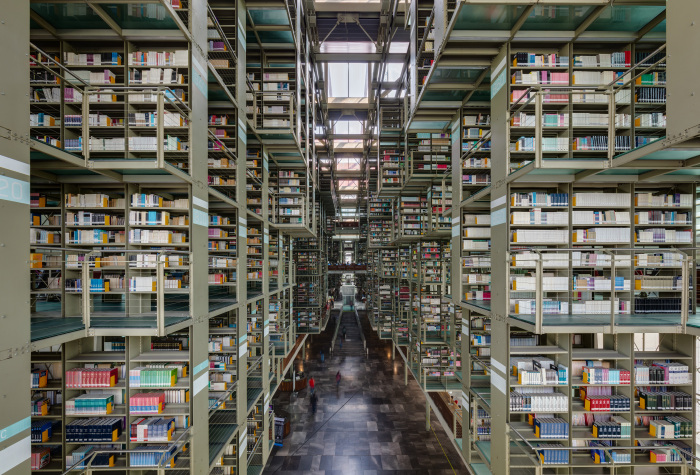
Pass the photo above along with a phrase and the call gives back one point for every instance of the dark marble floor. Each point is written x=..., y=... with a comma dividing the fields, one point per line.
x=371, y=424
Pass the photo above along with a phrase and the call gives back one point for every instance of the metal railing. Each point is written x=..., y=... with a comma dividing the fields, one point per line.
x=154, y=262
x=167, y=454
x=619, y=262
x=532, y=451
x=263, y=119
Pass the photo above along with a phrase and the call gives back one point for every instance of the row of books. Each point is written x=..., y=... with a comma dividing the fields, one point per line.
x=671, y=427
x=156, y=236
x=600, y=375
x=612, y=403
x=658, y=400
x=551, y=428
x=159, y=58
x=662, y=373
x=552, y=402
x=92, y=377
x=93, y=403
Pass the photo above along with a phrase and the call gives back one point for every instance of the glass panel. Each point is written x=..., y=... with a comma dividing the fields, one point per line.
x=462, y=75
x=275, y=16
x=625, y=18
x=488, y=17
x=141, y=16
x=444, y=95
x=351, y=185
x=557, y=18
x=76, y=16
x=347, y=80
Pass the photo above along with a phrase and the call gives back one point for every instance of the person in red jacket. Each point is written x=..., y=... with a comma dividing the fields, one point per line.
x=337, y=378
x=312, y=384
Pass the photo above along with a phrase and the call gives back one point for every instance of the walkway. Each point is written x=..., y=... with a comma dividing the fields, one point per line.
x=372, y=424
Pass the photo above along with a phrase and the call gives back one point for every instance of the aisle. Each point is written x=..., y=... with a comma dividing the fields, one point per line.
x=371, y=424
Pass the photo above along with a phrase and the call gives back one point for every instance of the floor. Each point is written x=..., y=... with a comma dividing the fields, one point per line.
x=370, y=424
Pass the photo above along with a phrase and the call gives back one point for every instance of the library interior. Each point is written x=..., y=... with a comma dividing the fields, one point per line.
x=470, y=232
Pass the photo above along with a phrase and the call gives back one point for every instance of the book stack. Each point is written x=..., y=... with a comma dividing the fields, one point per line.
x=152, y=429
x=147, y=403
x=551, y=428
x=657, y=399
x=40, y=457
x=41, y=431
x=94, y=430
x=550, y=456
x=612, y=403
x=92, y=377
x=143, y=377
x=92, y=403
x=600, y=375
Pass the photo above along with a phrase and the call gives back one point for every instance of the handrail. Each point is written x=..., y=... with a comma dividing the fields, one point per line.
x=362, y=335
x=588, y=448
x=87, y=461
x=51, y=60
x=632, y=68
x=335, y=332
x=218, y=403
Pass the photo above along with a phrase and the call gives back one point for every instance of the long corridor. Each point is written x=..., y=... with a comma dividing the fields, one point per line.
x=370, y=424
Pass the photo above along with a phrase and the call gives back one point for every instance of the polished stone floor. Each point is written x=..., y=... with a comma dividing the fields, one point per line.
x=371, y=424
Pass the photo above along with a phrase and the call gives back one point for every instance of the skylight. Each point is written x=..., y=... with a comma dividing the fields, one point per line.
x=347, y=80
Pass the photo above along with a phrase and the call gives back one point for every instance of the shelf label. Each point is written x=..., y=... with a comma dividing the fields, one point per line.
x=14, y=165
x=200, y=202
x=498, y=365
x=241, y=34
x=15, y=454
x=15, y=190
x=455, y=230
x=498, y=202
x=498, y=382
x=498, y=217
x=498, y=84
x=242, y=231
x=200, y=383
x=242, y=134
x=243, y=349
x=16, y=428
x=498, y=68
x=200, y=76
x=200, y=367
x=266, y=330
x=199, y=217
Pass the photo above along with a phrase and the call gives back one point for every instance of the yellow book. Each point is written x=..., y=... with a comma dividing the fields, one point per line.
x=106, y=286
x=35, y=261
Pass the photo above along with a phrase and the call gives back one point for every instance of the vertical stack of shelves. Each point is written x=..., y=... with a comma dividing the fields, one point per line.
x=47, y=392
x=439, y=198
x=291, y=207
x=255, y=268
x=47, y=265
x=278, y=107
x=425, y=41
x=413, y=216
x=222, y=150
x=380, y=222
x=476, y=148
x=476, y=262
x=429, y=155
x=392, y=169
x=309, y=296
x=254, y=182
x=223, y=256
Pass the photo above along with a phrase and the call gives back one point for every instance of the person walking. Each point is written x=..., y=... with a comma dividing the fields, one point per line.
x=312, y=384
x=323, y=357
x=314, y=402
x=337, y=379
x=345, y=333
